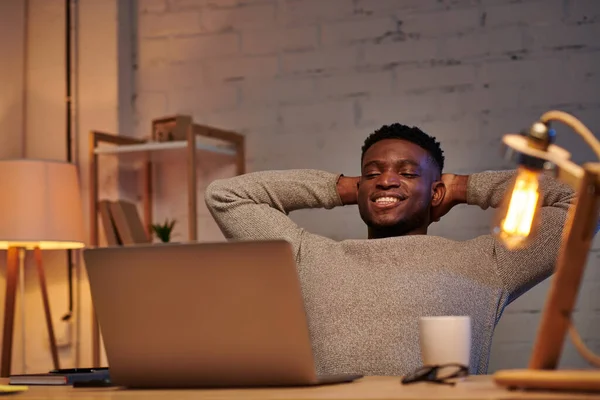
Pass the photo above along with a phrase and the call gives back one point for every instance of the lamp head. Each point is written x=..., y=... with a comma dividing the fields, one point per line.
x=516, y=217
x=41, y=206
x=532, y=144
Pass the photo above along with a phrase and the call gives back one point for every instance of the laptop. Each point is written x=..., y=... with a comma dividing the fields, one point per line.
x=225, y=314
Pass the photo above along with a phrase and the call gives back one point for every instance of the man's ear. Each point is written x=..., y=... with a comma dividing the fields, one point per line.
x=438, y=192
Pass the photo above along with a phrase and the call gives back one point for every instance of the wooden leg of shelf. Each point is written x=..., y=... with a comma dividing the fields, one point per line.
x=93, y=142
x=42, y=277
x=12, y=266
x=147, y=199
x=241, y=157
x=192, y=200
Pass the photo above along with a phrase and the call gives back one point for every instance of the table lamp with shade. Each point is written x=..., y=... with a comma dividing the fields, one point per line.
x=515, y=225
x=40, y=209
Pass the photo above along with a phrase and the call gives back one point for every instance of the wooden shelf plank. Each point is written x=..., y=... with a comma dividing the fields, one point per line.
x=158, y=146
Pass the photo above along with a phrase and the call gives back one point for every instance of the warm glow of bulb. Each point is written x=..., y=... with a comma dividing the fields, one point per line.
x=516, y=225
x=521, y=208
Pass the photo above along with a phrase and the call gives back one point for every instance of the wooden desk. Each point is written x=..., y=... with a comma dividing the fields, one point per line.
x=476, y=387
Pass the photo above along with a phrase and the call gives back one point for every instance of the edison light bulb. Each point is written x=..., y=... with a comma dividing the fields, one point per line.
x=517, y=216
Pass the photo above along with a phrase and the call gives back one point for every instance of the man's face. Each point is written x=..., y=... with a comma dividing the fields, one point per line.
x=395, y=188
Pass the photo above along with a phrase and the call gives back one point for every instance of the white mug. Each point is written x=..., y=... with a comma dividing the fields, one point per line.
x=445, y=339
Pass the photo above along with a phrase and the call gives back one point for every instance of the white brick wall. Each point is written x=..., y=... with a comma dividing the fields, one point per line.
x=308, y=80
x=271, y=41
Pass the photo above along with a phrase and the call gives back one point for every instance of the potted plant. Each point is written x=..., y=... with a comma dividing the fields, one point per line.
x=163, y=231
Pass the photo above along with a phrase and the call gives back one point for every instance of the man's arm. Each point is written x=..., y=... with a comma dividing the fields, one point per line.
x=255, y=206
x=520, y=270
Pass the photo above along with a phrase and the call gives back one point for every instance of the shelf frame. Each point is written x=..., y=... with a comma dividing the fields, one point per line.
x=187, y=134
x=148, y=147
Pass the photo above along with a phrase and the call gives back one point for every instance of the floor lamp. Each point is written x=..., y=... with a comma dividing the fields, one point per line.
x=40, y=209
x=535, y=152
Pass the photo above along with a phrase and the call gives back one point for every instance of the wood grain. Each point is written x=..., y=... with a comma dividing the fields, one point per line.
x=373, y=387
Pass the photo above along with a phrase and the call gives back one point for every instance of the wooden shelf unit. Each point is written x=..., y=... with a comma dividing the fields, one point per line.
x=189, y=137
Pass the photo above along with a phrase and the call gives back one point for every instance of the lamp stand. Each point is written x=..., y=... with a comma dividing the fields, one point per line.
x=42, y=276
x=556, y=317
x=12, y=267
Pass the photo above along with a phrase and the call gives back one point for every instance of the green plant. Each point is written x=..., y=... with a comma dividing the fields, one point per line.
x=163, y=231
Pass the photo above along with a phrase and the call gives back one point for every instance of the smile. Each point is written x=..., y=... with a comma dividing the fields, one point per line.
x=386, y=202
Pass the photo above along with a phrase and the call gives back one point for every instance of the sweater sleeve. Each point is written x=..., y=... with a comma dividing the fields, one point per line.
x=255, y=206
x=519, y=270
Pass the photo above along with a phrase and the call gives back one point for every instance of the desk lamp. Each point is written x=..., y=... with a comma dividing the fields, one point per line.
x=40, y=209
x=515, y=224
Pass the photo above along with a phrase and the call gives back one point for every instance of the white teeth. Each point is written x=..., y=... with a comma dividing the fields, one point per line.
x=386, y=200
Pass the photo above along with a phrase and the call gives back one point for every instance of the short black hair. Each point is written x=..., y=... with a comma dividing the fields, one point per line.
x=410, y=134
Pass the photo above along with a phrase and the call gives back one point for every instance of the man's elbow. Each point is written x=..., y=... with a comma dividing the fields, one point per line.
x=215, y=192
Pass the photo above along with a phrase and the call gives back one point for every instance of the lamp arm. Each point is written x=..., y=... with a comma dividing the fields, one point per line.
x=576, y=125
x=584, y=351
x=575, y=176
x=557, y=318
x=568, y=172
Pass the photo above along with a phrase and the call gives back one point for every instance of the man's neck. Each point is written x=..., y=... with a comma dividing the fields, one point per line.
x=382, y=233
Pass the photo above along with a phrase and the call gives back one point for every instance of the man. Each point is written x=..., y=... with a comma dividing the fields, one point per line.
x=364, y=297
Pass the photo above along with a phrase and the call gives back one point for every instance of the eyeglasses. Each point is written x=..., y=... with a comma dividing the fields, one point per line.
x=437, y=374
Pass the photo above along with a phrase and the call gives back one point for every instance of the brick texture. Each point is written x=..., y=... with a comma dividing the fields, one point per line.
x=307, y=80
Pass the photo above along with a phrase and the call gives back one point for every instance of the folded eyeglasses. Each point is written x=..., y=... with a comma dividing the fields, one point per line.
x=441, y=374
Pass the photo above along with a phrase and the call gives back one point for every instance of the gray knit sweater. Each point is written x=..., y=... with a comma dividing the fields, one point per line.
x=363, y=298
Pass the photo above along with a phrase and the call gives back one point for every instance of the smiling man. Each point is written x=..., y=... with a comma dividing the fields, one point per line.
x=400, y=182
x=364, y=298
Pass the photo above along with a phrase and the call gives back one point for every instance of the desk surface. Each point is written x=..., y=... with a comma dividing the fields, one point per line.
x=476, y=387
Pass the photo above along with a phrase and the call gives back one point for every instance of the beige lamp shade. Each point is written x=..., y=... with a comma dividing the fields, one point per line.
x=40, y=205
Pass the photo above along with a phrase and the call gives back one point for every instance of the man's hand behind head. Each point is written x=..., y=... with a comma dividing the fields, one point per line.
x=347, y=189
x=455, y=193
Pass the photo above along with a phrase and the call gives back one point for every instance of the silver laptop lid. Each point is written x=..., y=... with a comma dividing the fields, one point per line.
x=201, y=314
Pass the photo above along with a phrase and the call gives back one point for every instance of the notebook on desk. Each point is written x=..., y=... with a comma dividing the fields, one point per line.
x=203, y=315
x=60, y=377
